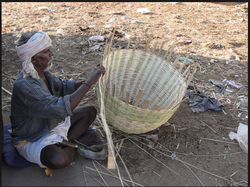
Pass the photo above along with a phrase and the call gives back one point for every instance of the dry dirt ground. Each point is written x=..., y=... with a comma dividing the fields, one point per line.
x=191, y=149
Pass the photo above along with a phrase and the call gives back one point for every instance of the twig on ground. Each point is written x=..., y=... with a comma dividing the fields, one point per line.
x=84, y=175
x=119, y=148
x=153, y=157
x=219, y=141
x=99, y=173
x=93, y=178
x=207, y=125
x=157, y=174
x=193, y=173
x=112, y=175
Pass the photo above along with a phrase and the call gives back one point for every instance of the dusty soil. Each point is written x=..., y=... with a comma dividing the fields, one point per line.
x=180, y=155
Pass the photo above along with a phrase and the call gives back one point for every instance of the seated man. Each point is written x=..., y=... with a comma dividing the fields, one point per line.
x=43, y=107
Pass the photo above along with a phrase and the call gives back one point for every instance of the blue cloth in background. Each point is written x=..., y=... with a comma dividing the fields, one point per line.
x=10, y=154
x=200, y=103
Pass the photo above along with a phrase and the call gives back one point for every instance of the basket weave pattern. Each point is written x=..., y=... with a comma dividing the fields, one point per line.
x=135, y=73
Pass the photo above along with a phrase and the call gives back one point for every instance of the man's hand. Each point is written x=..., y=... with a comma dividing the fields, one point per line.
x=95, y=74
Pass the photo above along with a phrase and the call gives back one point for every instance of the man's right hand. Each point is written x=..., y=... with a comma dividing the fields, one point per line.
x=95, y=74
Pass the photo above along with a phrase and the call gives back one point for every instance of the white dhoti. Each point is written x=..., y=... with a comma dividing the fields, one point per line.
x=31, y=151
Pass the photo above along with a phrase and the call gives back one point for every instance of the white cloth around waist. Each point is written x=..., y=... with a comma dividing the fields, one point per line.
x=31, y=151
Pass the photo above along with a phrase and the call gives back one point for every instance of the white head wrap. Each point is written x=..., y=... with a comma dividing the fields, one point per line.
x=35, y=44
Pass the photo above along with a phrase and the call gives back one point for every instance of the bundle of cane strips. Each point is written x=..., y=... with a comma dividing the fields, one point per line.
x=141, y=90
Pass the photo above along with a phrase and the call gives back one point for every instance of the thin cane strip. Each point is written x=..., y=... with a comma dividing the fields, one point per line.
x=113, y=175
x=183, y=162
x=84, y=175
x=190, y=78
x=111, y=159
x=187, y=77
x=160, y=48
x=119, y=148
x=179, y=92
x=119, y=48
x=110, y=66
x=113, y=91
x=106, y=49
x=135, y=45
x=129, y=42
x=127, y=98
x=154, y=48
x=111, y=41
x=119, y=75
x=124, y=163
x=121, y=92
x=180, y=102
x=138, y=74
x=183, y=64
x=176, y=60
x=185, y=72
x=154, y=157
x=170, y=105
x=170, y=53
x=147, y=44
x=94, y=178
x=145, y=105
x=148, y=83
x=155, y=107
x=160, y=107
x=138, y=97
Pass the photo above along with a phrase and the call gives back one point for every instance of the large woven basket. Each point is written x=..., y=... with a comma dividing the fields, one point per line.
x=141, y=90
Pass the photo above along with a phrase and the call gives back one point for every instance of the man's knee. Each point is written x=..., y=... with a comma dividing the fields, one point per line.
x=55, y=159
x=58, y=161
x=91, y=111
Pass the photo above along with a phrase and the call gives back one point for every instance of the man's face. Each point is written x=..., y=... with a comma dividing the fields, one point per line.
x=43, y=59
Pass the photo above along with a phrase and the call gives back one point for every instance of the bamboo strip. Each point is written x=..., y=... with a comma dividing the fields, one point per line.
x=190, y=78
x=179, y=92
x=154, y=48
x=170, y=53
x=176, y=60
x=185, y=72
x=111, y=155
x=111, y=41
x=105, y=52
x=183, y=64
x=135, y=45
x=159, y=109
x=160, y=48
x=110, y=66
x=113, y=91
x=147, y=44
x=180, y=102
x=129, y=42
x=171, y=105
x=167, y=52
x=8, y=92
x=145, y=105
x=155, y=107
x=119, y=49
x=138, y=97
x=127, y=98
x=121, y=92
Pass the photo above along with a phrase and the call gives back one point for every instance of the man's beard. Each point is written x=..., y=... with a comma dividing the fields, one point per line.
x=49, y=65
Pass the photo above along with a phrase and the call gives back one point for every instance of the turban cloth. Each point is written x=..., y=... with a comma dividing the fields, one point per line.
x=35, y=44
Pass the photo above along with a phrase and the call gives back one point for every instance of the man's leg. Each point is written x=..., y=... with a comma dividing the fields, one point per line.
x=82, y=118
x=57, y=158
